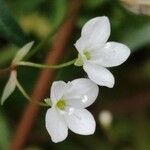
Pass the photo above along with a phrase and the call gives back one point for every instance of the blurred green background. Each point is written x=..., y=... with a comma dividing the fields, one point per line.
x=128, y=102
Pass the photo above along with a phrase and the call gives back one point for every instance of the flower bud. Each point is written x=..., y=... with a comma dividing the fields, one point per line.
x=105, y=118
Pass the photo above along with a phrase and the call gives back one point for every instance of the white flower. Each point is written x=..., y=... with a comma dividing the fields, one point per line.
x=12, y=81
x=69, y=101
x=95, y=54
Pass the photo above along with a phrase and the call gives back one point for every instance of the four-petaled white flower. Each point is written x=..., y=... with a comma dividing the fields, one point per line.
x=69, y=101
x=95, y=54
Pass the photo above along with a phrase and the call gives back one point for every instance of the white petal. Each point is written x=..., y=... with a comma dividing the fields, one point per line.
x=10, y=86
x=80, y=122
x=55, y=125
x=99, y=75
x=97, y=30
x=113, y=54
x=82, y=93
x=22, y=52
x=81, y=44
x=57, y=91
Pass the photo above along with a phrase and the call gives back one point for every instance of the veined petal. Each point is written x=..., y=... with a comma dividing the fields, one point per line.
x=57, y=91
x=99, y=74
x=98, y=31
x=82, y=93
x=55, y=125
x=10, y=86
x=22, y=52
x=113, y=54
x=80, y=122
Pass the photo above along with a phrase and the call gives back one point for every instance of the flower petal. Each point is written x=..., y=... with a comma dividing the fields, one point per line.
x=57, y=91
x=97, y=30
x=55, y=125
x=80, y=122
x=81, y=44
x=22, y=52
x=10, y=86
x=99, y=75
x=82, y=93
x=113, y=54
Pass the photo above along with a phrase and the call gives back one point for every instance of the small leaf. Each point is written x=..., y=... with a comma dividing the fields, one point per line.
x=10, y=86
x=22, y=52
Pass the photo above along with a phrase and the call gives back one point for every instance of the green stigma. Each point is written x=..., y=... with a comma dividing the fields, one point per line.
x=61, y=104
x=87, y=54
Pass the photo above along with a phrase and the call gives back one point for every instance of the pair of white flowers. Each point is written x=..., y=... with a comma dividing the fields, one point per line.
x=69, y=100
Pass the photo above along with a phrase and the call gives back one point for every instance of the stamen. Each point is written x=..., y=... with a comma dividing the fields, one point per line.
x=87, y=54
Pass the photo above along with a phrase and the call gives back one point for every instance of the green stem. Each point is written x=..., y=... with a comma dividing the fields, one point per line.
x=28, y=97
x=25, y=63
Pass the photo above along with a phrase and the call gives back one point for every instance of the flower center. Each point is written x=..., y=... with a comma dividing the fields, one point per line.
x=61, y=104
x=87, y=54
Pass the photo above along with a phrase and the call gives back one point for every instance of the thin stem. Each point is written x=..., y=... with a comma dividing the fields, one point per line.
x=25, y=63
x=28, y=97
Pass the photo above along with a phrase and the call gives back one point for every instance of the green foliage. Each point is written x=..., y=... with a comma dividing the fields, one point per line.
x=9, y=28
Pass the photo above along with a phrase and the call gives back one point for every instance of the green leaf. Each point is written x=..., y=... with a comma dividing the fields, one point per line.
x=10, y=86
x=9, y=28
